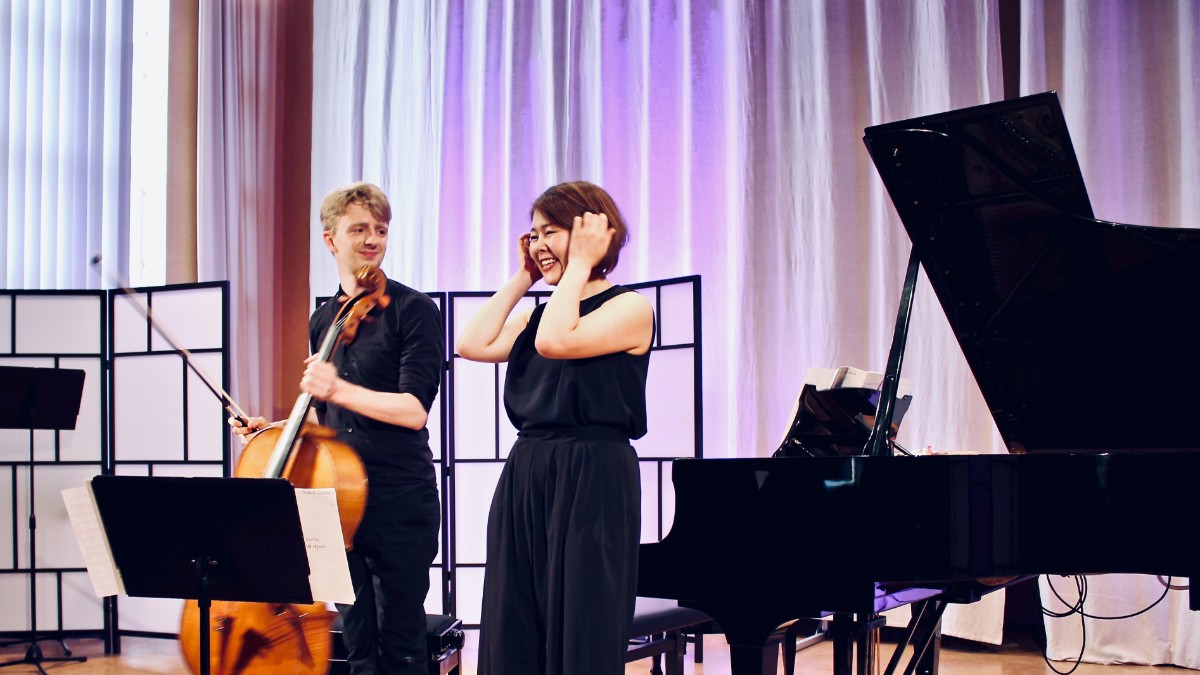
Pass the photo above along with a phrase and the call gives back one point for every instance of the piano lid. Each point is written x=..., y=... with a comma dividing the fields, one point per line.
x=1076, y=330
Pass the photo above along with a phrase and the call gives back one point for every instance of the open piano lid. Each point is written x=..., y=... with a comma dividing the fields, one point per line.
x=1076, y=330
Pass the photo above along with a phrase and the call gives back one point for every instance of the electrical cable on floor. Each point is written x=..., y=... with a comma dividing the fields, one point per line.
x=1081, y=591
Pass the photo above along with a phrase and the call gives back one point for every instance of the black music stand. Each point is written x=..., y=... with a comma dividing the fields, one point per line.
x=835, y=422
x=205, y=539
x=38, y=398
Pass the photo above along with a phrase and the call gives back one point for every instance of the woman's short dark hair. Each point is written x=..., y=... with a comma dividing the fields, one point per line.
x=563, y=202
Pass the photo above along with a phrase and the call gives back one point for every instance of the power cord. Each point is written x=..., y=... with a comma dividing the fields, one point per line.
x=1076, y=607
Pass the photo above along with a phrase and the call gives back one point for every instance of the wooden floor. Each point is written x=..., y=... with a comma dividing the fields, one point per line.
x=145, y=656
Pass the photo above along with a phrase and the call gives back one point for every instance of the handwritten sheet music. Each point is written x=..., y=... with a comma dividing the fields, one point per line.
x=93, y=542
x=329, y=573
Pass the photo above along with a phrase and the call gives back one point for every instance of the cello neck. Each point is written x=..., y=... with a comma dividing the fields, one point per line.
x=295, y=421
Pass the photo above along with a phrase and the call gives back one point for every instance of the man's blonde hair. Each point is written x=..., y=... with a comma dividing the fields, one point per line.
x=366, y=195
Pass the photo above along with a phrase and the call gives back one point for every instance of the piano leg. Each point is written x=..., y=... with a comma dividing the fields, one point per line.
x=866, y=652
x=753, y=636
x=802, y=634
x=749, y=660
x=931, y=658
x=924, y=635
x=854, y=637
x=927, y=641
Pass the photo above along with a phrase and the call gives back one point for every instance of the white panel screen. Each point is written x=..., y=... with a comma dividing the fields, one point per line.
x=189, y=316
x=56, y=546
x=474, y=410
x=129, y=326
x=14, y=588
x=82, y=610
x=470, y=594
x=670, y=405
x=6, y=303
x=206, y=426
x=186, y=470
x=47, y=609
x=650, y=525
x=139, y=397
x=676, y=315
x=21, y=530
x=59, y=324
x=475, y=482
x=151, y=615
x=84, y=442
x=148, y=407
x=464, y=308
x=8, y=474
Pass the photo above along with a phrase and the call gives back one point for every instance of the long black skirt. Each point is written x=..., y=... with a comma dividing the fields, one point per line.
x=562, y=553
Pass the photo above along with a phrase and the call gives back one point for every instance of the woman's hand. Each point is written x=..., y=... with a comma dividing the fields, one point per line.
x=525, y=262
x=591, y=236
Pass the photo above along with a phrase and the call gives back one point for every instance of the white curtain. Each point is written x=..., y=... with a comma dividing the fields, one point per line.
x=64, y=128
x=237, y=182
x=729, y=135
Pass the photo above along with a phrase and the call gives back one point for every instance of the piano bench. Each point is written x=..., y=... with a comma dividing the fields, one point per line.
x=443, y=640
x=658, y=629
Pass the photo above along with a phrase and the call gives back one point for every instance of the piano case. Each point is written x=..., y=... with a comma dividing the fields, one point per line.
x=443, y=640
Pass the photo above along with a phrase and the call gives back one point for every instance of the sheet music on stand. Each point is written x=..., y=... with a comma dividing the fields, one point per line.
x=328, y=572
x=835, y=412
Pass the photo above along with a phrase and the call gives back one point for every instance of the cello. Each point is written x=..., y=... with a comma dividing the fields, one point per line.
x=250, y=638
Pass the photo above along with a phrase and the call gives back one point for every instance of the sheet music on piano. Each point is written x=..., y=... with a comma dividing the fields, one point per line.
x=835, y=412
x=849, y=377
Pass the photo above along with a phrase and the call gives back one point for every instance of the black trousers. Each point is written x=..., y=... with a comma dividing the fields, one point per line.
x=562, y=553
x=384, y=630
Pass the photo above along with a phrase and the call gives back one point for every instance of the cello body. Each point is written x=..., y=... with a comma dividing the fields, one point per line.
x=258, y=638
x=253, y=638
x=318, y=461
x=249, y=638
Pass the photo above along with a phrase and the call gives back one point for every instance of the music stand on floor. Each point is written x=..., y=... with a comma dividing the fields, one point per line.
x=205, y=539
x=38, y=398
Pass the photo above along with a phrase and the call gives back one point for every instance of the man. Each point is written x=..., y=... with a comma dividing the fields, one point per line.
x=376, y=393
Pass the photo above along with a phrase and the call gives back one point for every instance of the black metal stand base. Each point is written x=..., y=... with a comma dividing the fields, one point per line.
x=34, y=656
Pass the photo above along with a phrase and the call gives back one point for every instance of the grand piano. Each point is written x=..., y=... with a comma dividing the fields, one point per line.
x=1078, y=333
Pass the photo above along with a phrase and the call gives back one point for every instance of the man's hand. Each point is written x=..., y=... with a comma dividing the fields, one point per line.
x=252, y=426
x=320, y=379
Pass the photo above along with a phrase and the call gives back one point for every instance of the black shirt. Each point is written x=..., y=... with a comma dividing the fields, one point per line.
x=547, y=394
x=398, y=349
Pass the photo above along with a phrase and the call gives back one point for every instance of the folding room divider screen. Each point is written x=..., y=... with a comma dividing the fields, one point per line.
x=146, y=412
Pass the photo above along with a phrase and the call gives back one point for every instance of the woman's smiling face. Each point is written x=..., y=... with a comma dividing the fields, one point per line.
x=548, y=245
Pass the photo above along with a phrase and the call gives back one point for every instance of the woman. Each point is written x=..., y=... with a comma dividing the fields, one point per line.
x=563, y=530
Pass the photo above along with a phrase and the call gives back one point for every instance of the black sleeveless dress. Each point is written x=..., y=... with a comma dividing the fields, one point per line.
x=564, y=526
